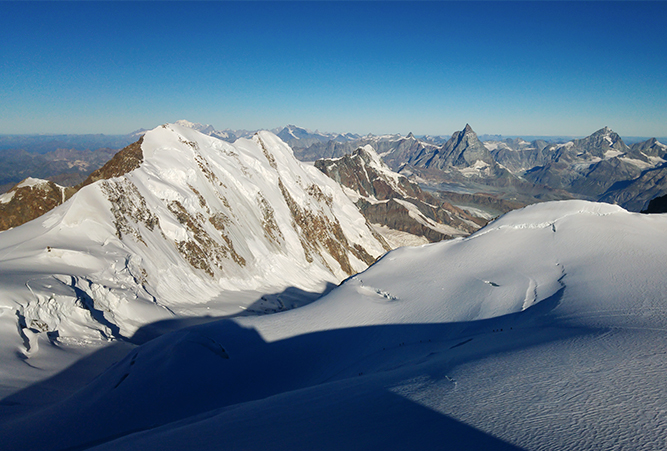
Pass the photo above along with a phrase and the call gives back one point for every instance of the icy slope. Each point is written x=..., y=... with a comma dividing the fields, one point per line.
x=545, y=330
x=197, y=226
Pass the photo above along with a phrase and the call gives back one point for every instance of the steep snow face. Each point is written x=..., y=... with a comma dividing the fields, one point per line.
x=544, y=330
x=199, y=218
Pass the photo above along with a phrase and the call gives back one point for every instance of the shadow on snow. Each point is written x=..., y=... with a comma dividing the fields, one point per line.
x=331, y=389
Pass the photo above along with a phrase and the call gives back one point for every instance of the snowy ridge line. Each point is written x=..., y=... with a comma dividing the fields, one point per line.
x=500, y=224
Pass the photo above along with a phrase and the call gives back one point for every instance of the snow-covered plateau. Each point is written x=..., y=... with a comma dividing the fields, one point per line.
x=545, y=330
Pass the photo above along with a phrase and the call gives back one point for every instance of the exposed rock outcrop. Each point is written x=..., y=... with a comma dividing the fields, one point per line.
x=390, y=199
x=126, y=160
x=32, y=198
x=657, y=205
x=28, y=200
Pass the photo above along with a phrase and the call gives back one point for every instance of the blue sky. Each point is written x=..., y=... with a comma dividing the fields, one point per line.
x=513, y=68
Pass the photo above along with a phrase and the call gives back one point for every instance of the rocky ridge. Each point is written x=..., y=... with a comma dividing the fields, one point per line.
x=389, y=199
x=28, y=200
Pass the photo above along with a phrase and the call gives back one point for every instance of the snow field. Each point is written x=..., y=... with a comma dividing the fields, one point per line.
x=545, y=330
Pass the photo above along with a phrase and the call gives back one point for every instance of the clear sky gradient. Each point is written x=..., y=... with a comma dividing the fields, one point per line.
x=512, y=68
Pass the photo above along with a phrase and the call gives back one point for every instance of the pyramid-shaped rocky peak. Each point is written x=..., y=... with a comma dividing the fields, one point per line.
x=651, y=147
x=464, y=149
x=410, y=136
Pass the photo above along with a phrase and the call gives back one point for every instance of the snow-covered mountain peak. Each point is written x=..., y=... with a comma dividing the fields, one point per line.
x=604, y=138
x=371, y=157
x=195, y=126
x=176, y=221
x=463, y=149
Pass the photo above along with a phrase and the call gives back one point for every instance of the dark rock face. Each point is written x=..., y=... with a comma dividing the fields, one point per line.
x=602, y=175
x=126, y=160
x=462, y=150
x=464, y=161
x=29, y=201
x=591, y=181
x=651, y=147
x=635, y=195
x=395, y=150
x=518, y=155
x=597, y=167
x=657, y=205
x=488, y=202
x=391, y=200
x=396, y=216
x=356, y=171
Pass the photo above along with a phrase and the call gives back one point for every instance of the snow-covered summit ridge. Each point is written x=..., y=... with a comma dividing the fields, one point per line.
x=205, y=129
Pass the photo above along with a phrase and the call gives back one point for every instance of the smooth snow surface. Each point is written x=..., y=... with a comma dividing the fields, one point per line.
x=32, y=182
x=546, y=330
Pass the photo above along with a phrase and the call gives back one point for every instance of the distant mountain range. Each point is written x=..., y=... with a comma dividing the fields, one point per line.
x=598, y=167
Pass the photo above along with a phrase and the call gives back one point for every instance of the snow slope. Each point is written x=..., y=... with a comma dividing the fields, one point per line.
x=200, y=227
x=545, y=330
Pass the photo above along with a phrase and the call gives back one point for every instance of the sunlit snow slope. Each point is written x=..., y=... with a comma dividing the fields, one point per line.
x=546, y=330
x=197, y=227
